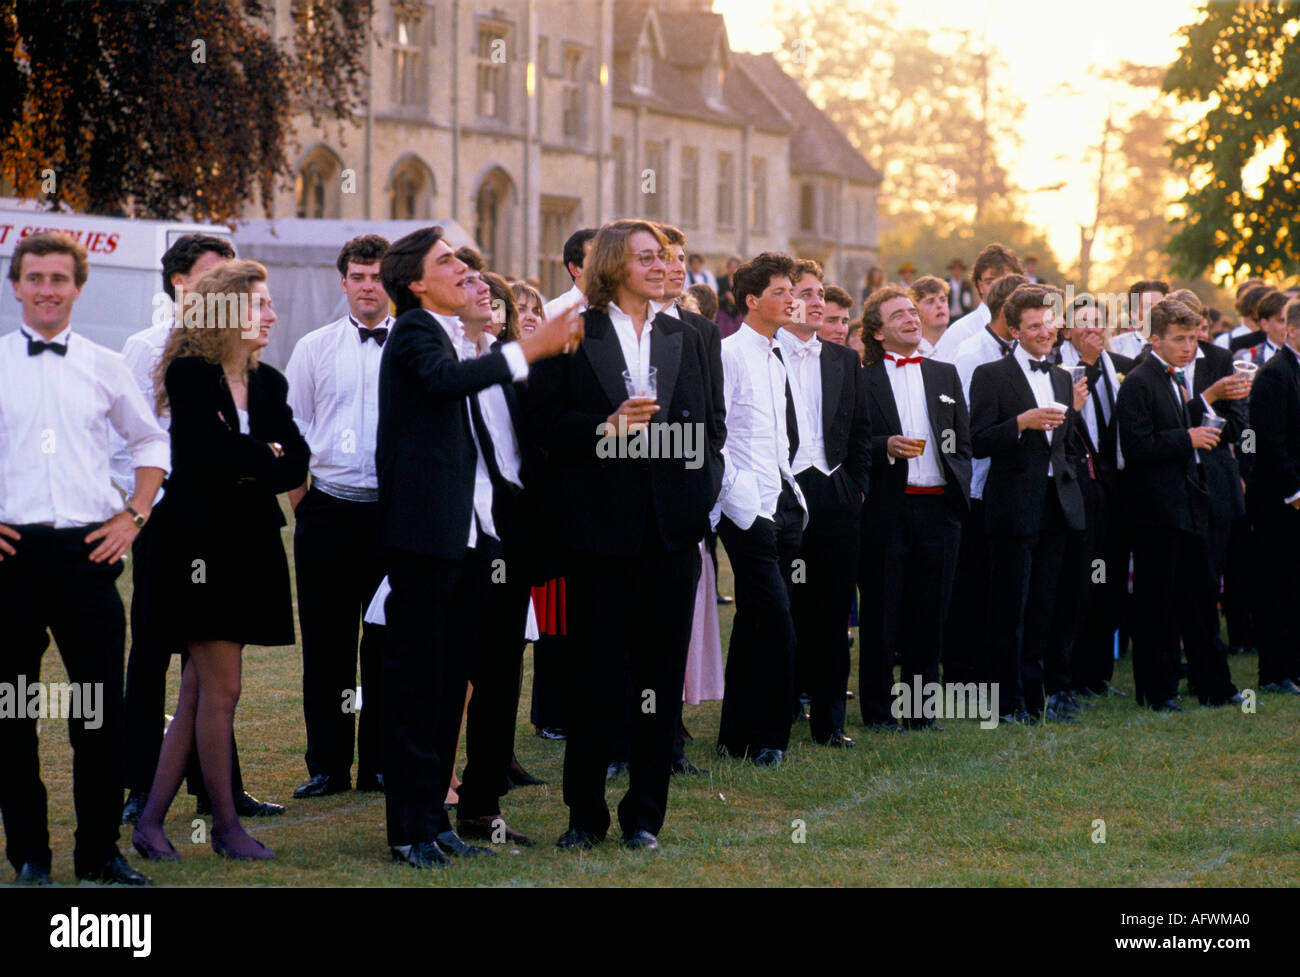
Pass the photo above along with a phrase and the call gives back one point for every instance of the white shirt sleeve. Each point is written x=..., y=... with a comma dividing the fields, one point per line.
x=299, y=372
x=146, y=442
x=515, y=360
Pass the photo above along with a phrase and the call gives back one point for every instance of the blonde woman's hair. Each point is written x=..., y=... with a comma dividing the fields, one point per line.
x=205, y=326
x=526, y=295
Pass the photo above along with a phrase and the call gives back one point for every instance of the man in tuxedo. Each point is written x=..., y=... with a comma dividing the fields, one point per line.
x=146, y=671
x=1023, y=412
x=760, y=515
x=1274, y=497
x=960, y=298
x=993, y=262
x=632, y=518
x=911, y=522
x=1270, y=311
x=1166, y=445
x=63, y=532
x=832, y=466
x=576, y=249
x=700, y=275
x=1142, y=295
x=1249, y=334
x=835, y=319
x=333, y=376
x=1086, y=625
x=1245, y=325
x=435, y=502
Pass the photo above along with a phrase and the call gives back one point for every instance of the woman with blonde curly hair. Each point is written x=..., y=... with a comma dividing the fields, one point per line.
x=222, y=570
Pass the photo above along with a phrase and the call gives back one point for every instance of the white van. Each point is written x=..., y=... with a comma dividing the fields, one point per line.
x=125, y=267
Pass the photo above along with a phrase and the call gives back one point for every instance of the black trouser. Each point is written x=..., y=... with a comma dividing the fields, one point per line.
x=1276, y=632
x=146, y=681
x=967, y=656
x=1240, y=584
x=433, y=614
x=1026, y=575
x=617, y=644
x=1173, y=581
x=908, y=566
x=494, y=673
x=553, y=682
x=1074, y=594
x=50, y=583
x=821, y=600
x=339, y=565
x=1092, y=660
x=759, y=676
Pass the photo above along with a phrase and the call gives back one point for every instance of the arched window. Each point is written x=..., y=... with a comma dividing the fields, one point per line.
x=410, y=190
x=318, y=186
x=494, y=204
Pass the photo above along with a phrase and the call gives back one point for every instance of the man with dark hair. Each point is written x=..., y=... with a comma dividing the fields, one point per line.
x=835, y=320
x=1274, y=497
x=707, y=300
x=698, y=274
x=994, y=261
x=576, y=250
x=472, y=259
x=1247, y=306
x=760, y=514
x=184, y=263
x=1270, y=313
x=832, y=466
x=435, y=487
x=1165, y=439
x=333, y=376
x=961, y=299
x=631, y=523
x=63, y=532
x=921, y=453
x=1023, y=413
x=931, y=297
x=1142, y=295
x=1247, y=325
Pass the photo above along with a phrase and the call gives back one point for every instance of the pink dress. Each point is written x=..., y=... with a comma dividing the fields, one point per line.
x=704, y=660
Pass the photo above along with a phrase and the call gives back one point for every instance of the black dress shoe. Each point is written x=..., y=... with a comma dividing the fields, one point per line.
x=1021, y=716
x=519, y=777
x=552, y=733
x=1286, y=685
x=1053, y=715
x=1169, y=705
x=424, y=855
x=246, y=806
x=838, y=740
x=723, y=600
x=577, y=840
x=31, y=874
x=615, y=768
x=885, y=726
x=114, y=871
x=322, y=785
x=374, y=783
x=641, y=841
x=685, y=766
x=1111, y=690
x=454, y=845
x=493, y=828
x=769, y=758
x=134, y=806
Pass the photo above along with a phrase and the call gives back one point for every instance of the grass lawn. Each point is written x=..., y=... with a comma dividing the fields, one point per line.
x=1205, y=798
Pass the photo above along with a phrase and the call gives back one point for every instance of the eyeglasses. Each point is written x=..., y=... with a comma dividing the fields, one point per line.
x=647, y=258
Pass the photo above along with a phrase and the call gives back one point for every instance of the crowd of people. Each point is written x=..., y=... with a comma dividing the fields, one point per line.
x=1001, y=485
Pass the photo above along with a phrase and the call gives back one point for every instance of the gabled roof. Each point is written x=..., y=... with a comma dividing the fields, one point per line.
x=694, y=37
x=818, y=145
x=630, y=18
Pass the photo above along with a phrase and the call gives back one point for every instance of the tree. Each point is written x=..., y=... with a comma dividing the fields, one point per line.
x=160, y=109
x=1242, y=61
x=925, y=108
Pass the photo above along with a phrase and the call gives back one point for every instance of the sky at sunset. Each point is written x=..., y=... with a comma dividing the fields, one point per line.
x=1045, y=46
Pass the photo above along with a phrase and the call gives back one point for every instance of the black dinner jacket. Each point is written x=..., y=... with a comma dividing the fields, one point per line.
x=1104, y=457
x=1275, y=419
x=889, y=482
x=608, y=505
x=1014, y=493
x=1222, y=474
x=846, y=437
x=1159, y=466
x=220, y=476
x=424, y=452
x=708, y=330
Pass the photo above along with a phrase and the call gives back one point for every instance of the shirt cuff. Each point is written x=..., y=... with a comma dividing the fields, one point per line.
x=1291, y=498
x=153, y=456
x=515, y=360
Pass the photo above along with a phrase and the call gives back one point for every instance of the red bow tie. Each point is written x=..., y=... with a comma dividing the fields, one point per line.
x=903, y=360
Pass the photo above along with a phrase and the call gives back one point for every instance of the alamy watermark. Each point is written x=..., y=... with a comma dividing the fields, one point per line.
x=949, y=700
x=655, y=440
x=53, y=700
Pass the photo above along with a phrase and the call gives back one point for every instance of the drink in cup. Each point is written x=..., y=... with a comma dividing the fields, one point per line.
x=643, y=388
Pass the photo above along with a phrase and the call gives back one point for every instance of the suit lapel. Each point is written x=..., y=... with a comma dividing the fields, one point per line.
x=832, y=370
x=665, y=355
x=605, y=354
x=883, y=391
x=1023, y=391
x=931, y=386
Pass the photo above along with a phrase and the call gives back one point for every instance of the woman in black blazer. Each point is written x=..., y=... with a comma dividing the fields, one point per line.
x=222, y=568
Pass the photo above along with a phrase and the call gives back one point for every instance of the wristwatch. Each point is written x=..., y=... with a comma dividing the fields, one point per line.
x=135, y=517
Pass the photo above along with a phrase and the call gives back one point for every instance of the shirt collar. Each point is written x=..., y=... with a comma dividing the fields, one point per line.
x=1165, y=366
x=357, y=323
x=618, y=317
x=667, y=308
x=1022, y=354
x=1002, y=343
x=756, y=338
x=797, y=346
x=60, y=338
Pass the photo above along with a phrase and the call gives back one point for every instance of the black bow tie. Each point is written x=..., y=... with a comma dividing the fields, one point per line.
x=378, y=335
x=35, y=347
x=1042, y=365
x=1092, y=371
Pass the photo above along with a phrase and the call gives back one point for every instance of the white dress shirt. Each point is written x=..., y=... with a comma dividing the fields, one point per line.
x=142, y=351
x=702, y=277
x=803, y=367
x=636, y=349
x=1224, y=339
x=574, y=296
x=1040, y=384
x=56, y=414
x=756, y=459
x=983, y=347
x=1129, y=343
x=1269, y=351
x=945, y=350
x=913, y=413
x=333, y=378
x=466, y=350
